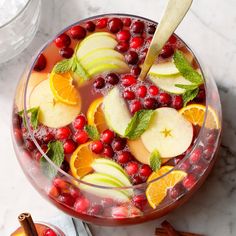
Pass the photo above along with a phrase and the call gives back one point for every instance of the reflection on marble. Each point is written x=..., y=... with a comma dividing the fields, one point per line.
x=210, y=30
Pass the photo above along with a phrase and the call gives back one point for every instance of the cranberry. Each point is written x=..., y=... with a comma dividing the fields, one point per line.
x=131, y=57
x=127, y=21
x=151, y=29
x=95, y=210
x=99, y=83
x=140, y=201
x=164, y=99
x=119, y=212
x=201, y=96
x=172, y=40
x=178, y=159
x=63, y=41
x=115, y=24
x=177, y=102
x=208, y=151
x=81, y=136
x=135, y=106
x=136, y=42
x=48, y=137
x=66, y=199
x=142, y=91
x=69, y=146
x=107, y=136
x=53, y=192
x=97, y=147
x=122, y=47
x=123, y=35
x=135, y=70
x=185, y=166
x=137, y=27
x=66, y=52
x=63, y=133
x=107, y=202
x=167, y=51
x=75, y=193
x=77, y=32
x=199, y=168
x=112, y=78
x=82, y=205
x=37, y=156
x=196, y=155
x=150, y=103
x=60, y=183
x=49, y=232
x=145, y=171
x=132, y=168
x=211, y=137
x=128, y=80
x=124, y=157
x=137, y=180
x=128, y=95
x=29, y=144
x=65, y=166
x=17, y=120
x=40, y=63
x=90, y=26
x=79, y=122
x=189, y=181
x=153, y=90
x=101, y=23
x=119, y=144
x=176, y=191
x=108, y=151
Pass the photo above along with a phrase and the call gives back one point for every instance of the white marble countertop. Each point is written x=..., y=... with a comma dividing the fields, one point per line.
x=210, y=30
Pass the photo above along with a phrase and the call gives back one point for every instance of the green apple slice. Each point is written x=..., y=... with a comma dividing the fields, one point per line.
x=168, y=83
x=169, y=133
x=166, y=69
x=105, y=181
x=116, y=112
x=99, y=34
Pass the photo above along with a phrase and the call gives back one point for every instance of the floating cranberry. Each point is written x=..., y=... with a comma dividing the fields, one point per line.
x=82, y=205
x=208, y=152
x=127, y=21
x=90, y=26
x=112, y=78
x=67, y=199
x=151, y=29
x=153, y=90
x=66, y=52
x=101, y=23
x=177, y=102
x=185, y=166
x=140, y=201
x=137, y=27
x=132, y=168
x=131, y=57
x=48, y=137
x=201, y=96
x=124, y=157
x=115, y=24
x=167, y=51
x=128, y=80
x=123, y=35
x=135, y=70
x=172, y=40
x=63, y=133
x=81, y=136
x=189, y=181
x=75, y=193
x=97, y=147
x=79, y=122
x=128, y=95
x=65, y=166
x=119, y=144
x=108, y=151
x=122, y=47
x=107, y=202
x=99, y=83
x=150, y=103
x=137, y=180
x=60, y=183
x=37, y=156
x=142, y=91
x=107, y=136
x=49, y=232
x=69, y=146
x=136, y=42
x=78, y=32
x=145, y=171
x=135, y=106
x=53, y=192
x=211, y=137
x=29, y=144
x=95, y=210
x=40, y=63
x=176, y=191
x=199, y=168
x=164, y=99
x=63, y=41
x=196, y=155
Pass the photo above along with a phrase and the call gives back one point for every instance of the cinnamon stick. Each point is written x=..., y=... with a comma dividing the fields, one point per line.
x=169, y=229
x=27, y=224
x=162, y=232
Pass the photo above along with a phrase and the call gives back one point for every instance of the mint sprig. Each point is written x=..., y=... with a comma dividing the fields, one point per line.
x=56, y=154
x=34, y=116
x=138, y=124
x=155, y=160
x=189, y=95
x=92, y=132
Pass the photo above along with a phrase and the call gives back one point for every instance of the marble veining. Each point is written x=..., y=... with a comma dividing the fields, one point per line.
x=209, y=28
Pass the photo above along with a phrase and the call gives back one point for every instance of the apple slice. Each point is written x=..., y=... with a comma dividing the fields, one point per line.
x=169, y=133
x=99, y=34
x=116, y=112
x=52, y=113
x=105, y=181
x=166, y=69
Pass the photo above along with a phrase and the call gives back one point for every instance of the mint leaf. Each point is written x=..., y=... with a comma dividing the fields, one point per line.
x=92, y=132
x=189, y=95
x=155, y=160
x=138, y=124
x=185, y=68
x=79, y=70
x=56, y=154
x=34, y=116
x=63, y=66
x=187, y=87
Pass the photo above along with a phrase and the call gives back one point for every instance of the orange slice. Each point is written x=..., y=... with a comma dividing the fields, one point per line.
x=81, y=160
x=96, y=116
x=63, y=88
x=195, y=113
x=157, y=190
